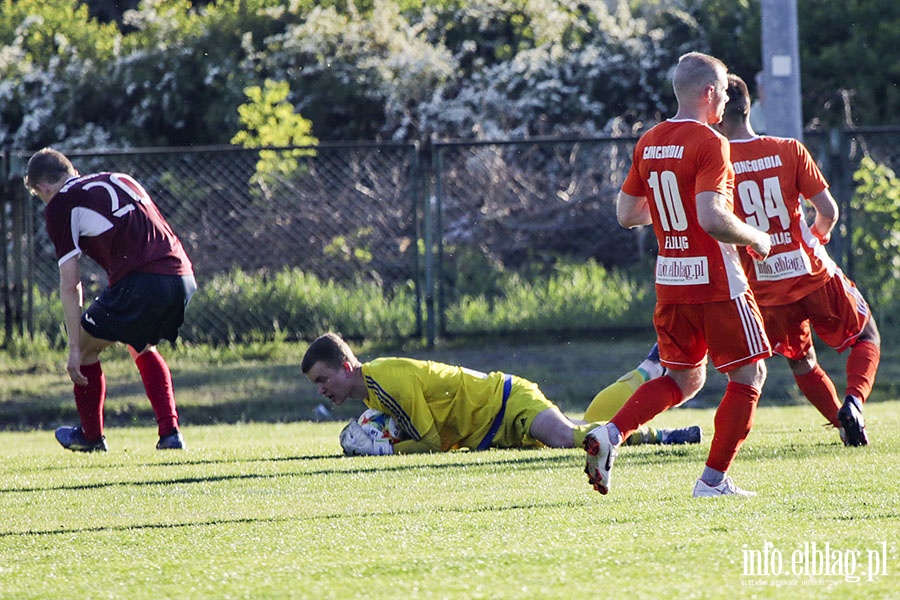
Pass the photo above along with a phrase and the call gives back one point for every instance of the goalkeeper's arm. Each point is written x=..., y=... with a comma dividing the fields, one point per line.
x=430, y=442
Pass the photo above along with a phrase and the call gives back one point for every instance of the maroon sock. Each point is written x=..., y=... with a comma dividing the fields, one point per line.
x=89, y=401
x=158, y=384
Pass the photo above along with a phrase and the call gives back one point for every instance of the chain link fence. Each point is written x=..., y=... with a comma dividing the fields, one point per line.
x=525, y=205
x=338, y=212
x=381, y=213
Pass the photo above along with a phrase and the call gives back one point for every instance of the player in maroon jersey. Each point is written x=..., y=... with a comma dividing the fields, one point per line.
x=111, y=218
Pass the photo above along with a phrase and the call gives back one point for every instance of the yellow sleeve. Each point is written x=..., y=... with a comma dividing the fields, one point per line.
x=395, y=387
x=430, y=442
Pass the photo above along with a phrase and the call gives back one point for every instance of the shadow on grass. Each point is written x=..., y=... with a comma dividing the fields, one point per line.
x=524, y=459
x=380, y=514
x=535, y=459
x=276, y=392
x=210, y=396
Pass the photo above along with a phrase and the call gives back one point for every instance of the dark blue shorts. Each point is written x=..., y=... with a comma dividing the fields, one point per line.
x=140, y=310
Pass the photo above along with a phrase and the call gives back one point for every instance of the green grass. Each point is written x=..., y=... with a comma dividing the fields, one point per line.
x=262, y=505
x=263, y=383
x=272, y=511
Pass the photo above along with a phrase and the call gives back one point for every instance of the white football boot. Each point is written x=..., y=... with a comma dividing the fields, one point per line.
x=726, y=488
x=600, y=456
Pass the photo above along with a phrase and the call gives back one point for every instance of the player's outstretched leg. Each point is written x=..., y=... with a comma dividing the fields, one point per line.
x=610, y=399
x=601, y=453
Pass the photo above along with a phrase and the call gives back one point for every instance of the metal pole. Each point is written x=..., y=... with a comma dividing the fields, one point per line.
x=430, y=208
x=781, y=69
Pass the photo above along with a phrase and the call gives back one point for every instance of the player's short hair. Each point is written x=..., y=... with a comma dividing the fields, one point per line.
x=329, y=349
x=694, y=72
x=738, y=104
x=48, y=166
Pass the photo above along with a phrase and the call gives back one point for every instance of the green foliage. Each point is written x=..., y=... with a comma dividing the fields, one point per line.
x=49, y=53
x=243, y=307
x=269, y=120
x=848, y=52
x=875, y=234
x=573, y=297
x=49, y=329
x=295, y=304
x=28, y=346
x=48, y=30
x=733, y=31
x=351, y=251
x=173, y=72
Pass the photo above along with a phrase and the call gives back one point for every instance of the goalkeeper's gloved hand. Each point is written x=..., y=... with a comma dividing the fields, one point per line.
x=356, y=442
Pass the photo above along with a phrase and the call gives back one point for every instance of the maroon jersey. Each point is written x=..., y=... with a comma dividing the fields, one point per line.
x=111, y=218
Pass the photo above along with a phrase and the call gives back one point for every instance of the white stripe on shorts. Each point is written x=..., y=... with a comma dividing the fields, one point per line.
x=753, y=332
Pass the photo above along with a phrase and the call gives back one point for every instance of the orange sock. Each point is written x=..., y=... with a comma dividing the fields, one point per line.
x=652, y=398
x=733, y=421
x=861, y=367
x=821, y=393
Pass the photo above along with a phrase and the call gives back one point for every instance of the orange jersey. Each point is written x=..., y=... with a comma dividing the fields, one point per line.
x=773, y=175
x=672, y=163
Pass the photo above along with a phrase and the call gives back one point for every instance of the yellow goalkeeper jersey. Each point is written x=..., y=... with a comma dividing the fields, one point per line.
x=440, y=406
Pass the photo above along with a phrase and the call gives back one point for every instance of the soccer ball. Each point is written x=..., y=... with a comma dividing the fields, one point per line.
x=380, y=427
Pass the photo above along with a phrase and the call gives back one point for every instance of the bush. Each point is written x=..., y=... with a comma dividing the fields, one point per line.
x=245, y=308
x=242, y=307
x=573, y=297
x=875, y=234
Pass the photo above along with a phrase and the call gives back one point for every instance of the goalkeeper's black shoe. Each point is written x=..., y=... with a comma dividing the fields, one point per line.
x=852, y=424
x=72, y=438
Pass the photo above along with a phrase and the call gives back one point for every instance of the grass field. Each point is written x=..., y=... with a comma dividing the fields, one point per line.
x=263, y=506
x=273, y=511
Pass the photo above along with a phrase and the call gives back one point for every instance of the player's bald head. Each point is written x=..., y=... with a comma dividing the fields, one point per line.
x=695, y=72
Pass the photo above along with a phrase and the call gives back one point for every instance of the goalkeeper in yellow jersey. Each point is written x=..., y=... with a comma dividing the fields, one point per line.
x=439, y=407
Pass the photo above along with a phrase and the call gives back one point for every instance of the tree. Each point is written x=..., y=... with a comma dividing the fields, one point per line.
x=173, y=72
x=875, y=232
x=849, y=62
x=49, y=54
x=269, y=120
